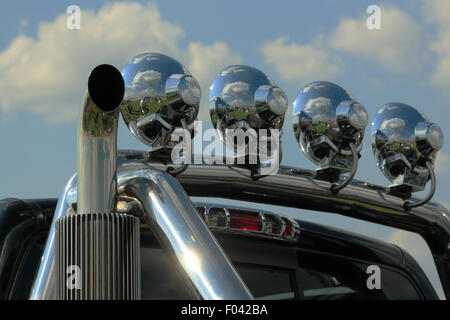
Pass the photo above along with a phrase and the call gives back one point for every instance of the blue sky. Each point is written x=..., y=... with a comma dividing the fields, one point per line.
x=44, y=68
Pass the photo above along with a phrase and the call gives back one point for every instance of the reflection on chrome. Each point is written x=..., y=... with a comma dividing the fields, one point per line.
x=44, y=287
x=329, y=127
x=160, y=93
x=97, y=141
x=165, y=206
x=244, y=98
x=175, y=221
x=243, y=93
x=403, y=142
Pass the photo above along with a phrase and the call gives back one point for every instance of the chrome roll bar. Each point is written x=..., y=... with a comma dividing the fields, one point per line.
x=44, y=287
x=297, y=188
x=290, y=187
x=141, y=186
x=174, y=220
x=163, y=203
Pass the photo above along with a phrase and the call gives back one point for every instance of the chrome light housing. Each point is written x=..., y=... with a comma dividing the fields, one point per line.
x=405, y=144
x=243, y=97
x=328, y=122
x=160, y=96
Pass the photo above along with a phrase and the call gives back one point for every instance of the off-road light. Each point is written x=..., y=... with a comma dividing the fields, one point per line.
x=329, y=127
x=405, y=145
x=243, y=97
x=160, y=96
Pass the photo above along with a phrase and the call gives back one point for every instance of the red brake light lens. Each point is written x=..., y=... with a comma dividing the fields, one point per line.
x=245, y=220
x=288, y=229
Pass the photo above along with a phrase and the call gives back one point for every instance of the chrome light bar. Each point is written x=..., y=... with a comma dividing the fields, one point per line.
x=161, y=96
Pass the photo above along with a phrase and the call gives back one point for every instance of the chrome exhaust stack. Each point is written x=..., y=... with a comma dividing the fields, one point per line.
x=97, y=141
x=102, y=246
x=96, y=250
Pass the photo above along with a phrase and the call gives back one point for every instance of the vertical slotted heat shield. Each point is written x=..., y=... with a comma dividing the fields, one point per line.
x=97, y=257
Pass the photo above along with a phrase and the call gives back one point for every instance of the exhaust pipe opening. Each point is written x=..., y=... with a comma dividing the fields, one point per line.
x=97, y=141
x=101, y=244
x=106, y=87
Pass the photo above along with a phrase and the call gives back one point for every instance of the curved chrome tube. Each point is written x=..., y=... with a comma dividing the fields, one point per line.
x=409, y=205
x=297, y=188
x=97, y=141
x=291, y=188
x=335, y=188
x=95, y=185
x=174, y=219
x=166, y=207
x=44, y=287
x=177, y=224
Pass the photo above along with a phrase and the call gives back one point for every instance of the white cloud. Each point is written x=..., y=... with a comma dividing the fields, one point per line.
x=206, y=61
x=22, y=25
x=191, y=91
x=150, y=78
x=442, y=163
x=394, y=124
x=236, y=93
x=437, y=12
x=47, y=75
x=296, y=62
x=417, y=247
x=318, y=108
x=320, y=104
x=411, y=242
x=396, y=46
